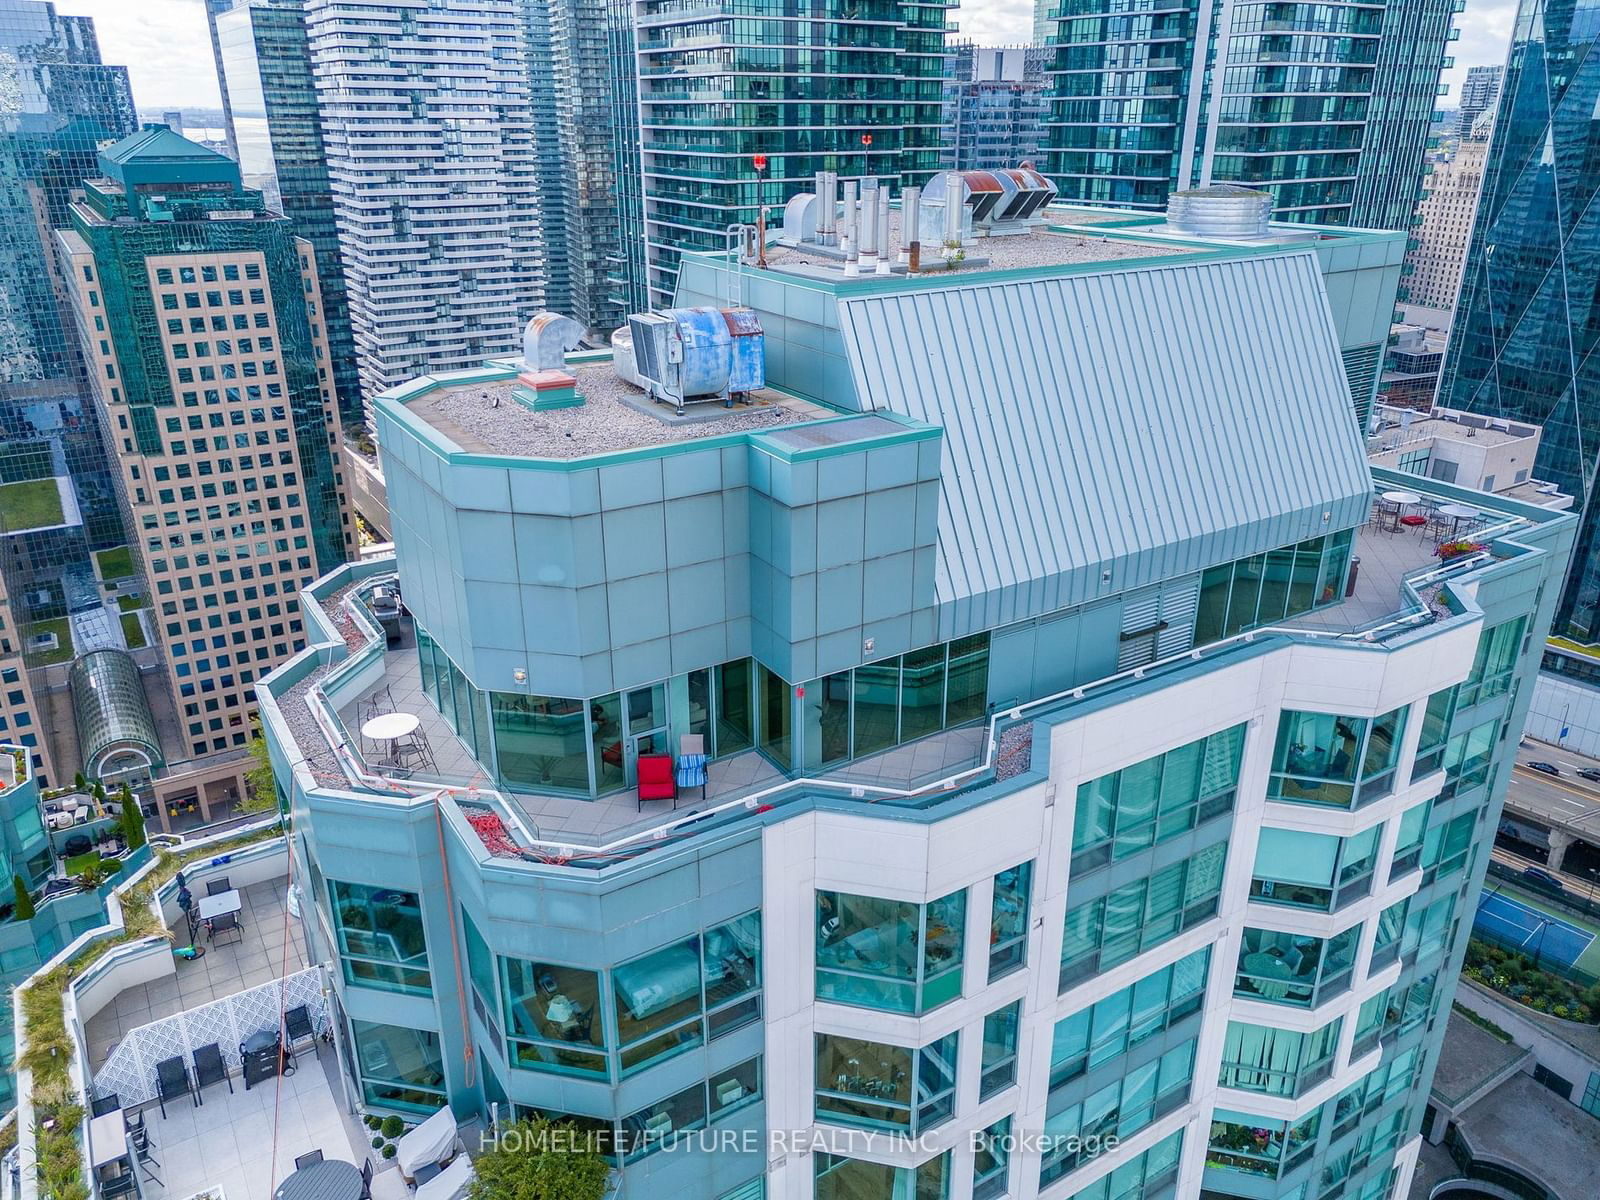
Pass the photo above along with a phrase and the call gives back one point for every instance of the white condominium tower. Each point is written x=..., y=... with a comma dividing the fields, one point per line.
x=428, y=123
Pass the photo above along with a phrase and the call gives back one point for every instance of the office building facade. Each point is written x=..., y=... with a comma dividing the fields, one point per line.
x=428, y=128
x=270, y=99
x=1519, y=346
x=1448, y=206
x=852, y=90
x=1146, y=849
x=1329, y=113
x=994, y=107
x=193, y=303
x=58, y=505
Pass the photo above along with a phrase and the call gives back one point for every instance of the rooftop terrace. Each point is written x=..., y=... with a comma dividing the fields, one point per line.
x=1402, y=588
x=480, y=416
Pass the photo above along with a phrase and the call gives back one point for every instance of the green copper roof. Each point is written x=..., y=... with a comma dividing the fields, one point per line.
x=157, y=155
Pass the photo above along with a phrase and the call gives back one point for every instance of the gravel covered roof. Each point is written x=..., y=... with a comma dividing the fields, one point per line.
x=483, y=418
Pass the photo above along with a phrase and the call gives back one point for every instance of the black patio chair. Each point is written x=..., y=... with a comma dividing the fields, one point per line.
x=134, y=1121
x=172, y=1081
x=215, y=887
x=366, y=1179
x=308, y=1160
x=141, y=1148
x=209, y=1067
x=101, y=1105
x=118, y=1185
x=297, y=1024
x=226, y=923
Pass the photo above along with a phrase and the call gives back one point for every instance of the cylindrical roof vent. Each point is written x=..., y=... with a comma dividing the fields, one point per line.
x=1223, y=210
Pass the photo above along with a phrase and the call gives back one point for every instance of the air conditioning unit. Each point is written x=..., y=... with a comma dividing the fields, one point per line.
x=690, y=355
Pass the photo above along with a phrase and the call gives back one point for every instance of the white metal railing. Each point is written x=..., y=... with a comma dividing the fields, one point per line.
x=358, y=773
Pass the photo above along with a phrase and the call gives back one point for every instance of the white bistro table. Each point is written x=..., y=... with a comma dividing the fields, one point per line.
x=220, y=905
x=1400, y=500
x=1457, y=514
x=390, y=728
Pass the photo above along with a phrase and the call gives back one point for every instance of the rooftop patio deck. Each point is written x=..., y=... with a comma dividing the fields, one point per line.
x=260, y=956
x=578, y=818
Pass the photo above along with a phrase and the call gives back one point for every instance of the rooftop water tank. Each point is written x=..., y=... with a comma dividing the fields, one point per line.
x=1223, y=210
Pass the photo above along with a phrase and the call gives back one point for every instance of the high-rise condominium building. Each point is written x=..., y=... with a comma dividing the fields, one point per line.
x=1329, y=110
x=270, y=100
x=994, y=106
x=1479, y=93
x=427, y=123
x=1446, y=212
x=819, y=86
x=192, y=301
x=58, y=504
x=570, y=67
x=1521, y=344
x=1026, y=814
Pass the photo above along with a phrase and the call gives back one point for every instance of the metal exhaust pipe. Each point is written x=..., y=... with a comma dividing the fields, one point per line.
x=847, y=229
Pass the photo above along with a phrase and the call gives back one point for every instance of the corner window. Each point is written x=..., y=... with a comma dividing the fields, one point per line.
x=381, y=940
x=553, y=1018
x=885, y=1087
x=1337, y=761
x=1277, y=1062
x=399, y=1067
x=1008, y=921
x=1312, y=870
x=1287, y=968
x=889, y=954
x=1259, y=1146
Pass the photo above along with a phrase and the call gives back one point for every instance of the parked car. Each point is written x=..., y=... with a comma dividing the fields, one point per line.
x=1592, y=774
x=1542, y=880
x=1547, y=768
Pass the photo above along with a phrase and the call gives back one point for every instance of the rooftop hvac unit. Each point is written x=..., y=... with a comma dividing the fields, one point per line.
x=691, y=355
x=622, y=357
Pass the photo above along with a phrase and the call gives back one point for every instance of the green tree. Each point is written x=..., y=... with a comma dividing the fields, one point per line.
x=132, y=819
x=540, y=1160
x=260, y=794
x=23, y=909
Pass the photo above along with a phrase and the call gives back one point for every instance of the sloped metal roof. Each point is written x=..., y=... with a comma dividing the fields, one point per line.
x=1108, y=429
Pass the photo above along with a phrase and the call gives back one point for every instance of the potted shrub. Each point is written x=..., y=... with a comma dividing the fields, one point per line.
x=1448, y=551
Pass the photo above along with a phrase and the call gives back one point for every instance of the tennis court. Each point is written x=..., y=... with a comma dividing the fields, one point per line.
x=1513, y=923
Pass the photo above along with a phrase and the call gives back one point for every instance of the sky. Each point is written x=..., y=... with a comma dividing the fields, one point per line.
x=167, y=48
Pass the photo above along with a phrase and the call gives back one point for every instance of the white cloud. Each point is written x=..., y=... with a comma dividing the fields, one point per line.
x=165, y=44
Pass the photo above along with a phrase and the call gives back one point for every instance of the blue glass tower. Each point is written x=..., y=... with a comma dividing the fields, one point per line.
x=1526, y=322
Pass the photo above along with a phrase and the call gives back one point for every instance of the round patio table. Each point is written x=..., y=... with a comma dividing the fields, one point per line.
x=1400, y=501
x=326, y=1180
x=1457, y=514
x=390, y=727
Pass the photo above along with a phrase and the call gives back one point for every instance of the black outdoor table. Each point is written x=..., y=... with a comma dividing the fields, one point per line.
x=326, y=1180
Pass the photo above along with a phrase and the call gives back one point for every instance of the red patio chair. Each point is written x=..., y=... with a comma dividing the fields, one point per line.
x=656, y=779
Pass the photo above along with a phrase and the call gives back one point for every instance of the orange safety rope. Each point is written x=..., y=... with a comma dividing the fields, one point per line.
x=283, y=1033
x=468, y=1055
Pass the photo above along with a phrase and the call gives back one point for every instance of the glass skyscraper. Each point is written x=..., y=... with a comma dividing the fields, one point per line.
x=57, y=500
x=1326, y=107
x=264, y=70
x=846, y=87
x=1526, y=322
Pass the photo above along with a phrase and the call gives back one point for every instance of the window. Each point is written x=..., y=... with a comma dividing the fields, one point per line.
x=1296, y=969
x=840, y=1178
x=1313, y=870
x=1267, y=588
x=400, y=1067
x=1408, y=842
x=1467, y=759
x=1494, y=662
x=897, y=700
x=1435, y=733
x=1008, y=921
x=1277, y=1062
x=1149, y=802
x=1342, y=762
x=999, y=1050
x=1258, y=1145
x=1075, y=1133
x=1148, y=1175
x=381, y=940
x=991, y=1158
x=553, y=1018
x=480, y=973
x=662, y=1123
x=885, y=1087
x=889, y=954
x=678, y=997
x=1107, y=1028
x=1140, y=915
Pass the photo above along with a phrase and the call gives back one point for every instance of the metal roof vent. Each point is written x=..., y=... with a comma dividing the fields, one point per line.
x=1223, y=210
